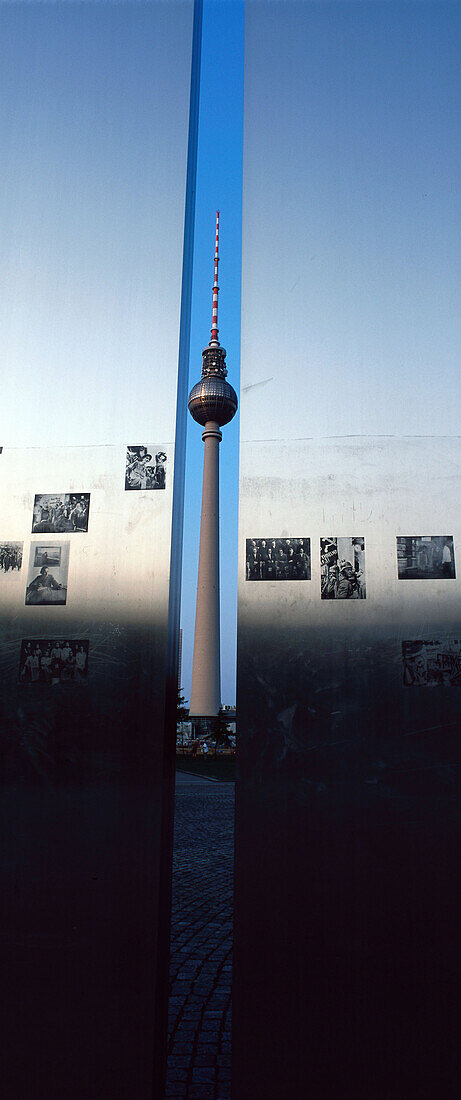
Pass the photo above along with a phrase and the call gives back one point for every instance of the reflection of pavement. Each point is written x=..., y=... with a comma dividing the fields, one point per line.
x=201, y=940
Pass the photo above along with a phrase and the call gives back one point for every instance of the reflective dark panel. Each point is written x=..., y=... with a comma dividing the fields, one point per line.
x=83, y=652
x=99, y=145
x=347, y=796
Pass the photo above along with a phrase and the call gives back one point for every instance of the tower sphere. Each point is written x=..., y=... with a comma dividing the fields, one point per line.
x=212, y=399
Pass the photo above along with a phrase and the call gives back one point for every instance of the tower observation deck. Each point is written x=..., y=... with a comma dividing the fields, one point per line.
x=212, y=403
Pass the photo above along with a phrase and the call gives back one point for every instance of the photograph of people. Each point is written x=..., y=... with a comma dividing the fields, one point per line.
x=278, y=559
x=52, y=661
x=47, y=578
x=45, y=589
x=425, y=557
x=145, y=468
x=342, y=568
x=10, y=556
x=60, y=513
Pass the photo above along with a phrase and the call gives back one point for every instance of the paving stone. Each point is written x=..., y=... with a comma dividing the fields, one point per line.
x=210, y=1059
x=175, y=1074
x=178, y=1060
x=201, y=943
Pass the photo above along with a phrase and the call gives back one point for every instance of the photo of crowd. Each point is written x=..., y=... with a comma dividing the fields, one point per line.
x=432, y=664
x=425, y=557
x=278, y=559
x=51, y=661
x=47, y=578
x=145, y=468
x=60, y=513
x=10, y=556
x=342, y=569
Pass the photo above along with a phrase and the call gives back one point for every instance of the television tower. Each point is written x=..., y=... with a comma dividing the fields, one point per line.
x=212, y=403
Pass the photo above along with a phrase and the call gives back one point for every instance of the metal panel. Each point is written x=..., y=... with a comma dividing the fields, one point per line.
x=83, y=779
x=88, y=665
x=347, y=795
x=347, y=822
x=95, y=141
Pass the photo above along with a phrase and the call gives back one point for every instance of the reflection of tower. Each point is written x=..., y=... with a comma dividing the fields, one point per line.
x=212, y=403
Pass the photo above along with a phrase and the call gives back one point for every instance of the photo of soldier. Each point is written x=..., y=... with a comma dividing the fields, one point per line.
x=285, y=559
x=59, y=513
x=53, y=661
x=10, y=556
x=342, y=568
x=145, y=468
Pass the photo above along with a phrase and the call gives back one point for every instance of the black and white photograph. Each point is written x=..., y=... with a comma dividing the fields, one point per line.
x=47, y=555
x=47, y=578
x=278, y=559
x=53, y=661
x=342, y=568
x=60, y=513
x=145, y=468
x=432, y=663
x=425, y=557
x=10, y=557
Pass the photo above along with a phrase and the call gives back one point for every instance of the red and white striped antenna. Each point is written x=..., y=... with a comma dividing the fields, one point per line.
x=214, y=323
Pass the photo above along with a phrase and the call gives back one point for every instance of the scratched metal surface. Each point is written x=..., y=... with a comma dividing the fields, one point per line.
x=83, y=782
x=347, y=798
x=98, y=206
x=347, y=819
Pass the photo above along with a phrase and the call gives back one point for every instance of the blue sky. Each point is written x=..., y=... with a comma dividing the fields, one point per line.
x=219, y=187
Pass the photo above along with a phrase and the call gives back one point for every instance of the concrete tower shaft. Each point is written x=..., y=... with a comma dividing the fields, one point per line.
x=212, y=403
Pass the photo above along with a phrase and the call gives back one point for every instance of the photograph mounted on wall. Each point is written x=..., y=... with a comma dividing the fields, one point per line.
x=145, y=468
x=49, y=554
x=47, y=577
x=10, y=557
x=278, y=559
x=342, y=568
x=60, y=513
x=425, y=557
x=53, y=661
x=432, y=664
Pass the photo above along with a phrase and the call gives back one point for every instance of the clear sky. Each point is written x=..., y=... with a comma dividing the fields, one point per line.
x=219, y=187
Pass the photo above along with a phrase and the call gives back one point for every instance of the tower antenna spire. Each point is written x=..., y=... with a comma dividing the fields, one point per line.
x=214, y=322
x=212, y=403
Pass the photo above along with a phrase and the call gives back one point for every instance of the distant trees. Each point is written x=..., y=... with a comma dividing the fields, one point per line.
x=182, y=714
x=221, y=730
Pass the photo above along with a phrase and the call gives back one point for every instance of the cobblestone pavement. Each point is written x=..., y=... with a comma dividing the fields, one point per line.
x=199, y=1045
